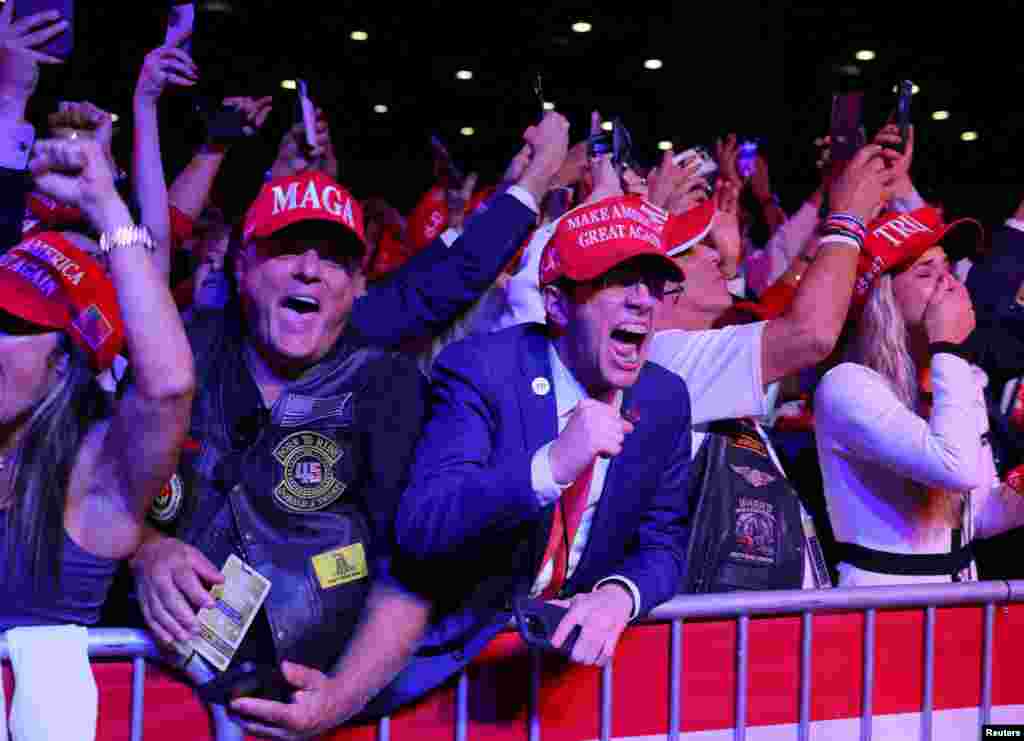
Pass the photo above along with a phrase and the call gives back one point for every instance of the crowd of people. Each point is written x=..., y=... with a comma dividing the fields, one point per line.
x=583, y=385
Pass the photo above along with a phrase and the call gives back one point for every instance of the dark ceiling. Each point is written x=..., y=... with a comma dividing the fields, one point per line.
x=761, y=71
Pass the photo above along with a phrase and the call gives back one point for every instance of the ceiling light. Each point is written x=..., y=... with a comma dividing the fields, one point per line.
x=914, y=89
x=548, y=105
x=380, y=108
x=607, y=125
x=969, y=136
x=653, y=64
x=288, y=84
x=864, y=55
x=114, y=118
x=940, y=115
x=581, y=27
x=359, y=36
x=467, y=131
x=464, y=74
x=664, y=146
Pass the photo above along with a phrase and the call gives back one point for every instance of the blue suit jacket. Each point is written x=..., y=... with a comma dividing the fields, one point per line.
x=427, y=293
x=470, y=518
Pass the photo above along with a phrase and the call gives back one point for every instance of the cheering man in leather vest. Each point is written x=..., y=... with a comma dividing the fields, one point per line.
x=302, y=436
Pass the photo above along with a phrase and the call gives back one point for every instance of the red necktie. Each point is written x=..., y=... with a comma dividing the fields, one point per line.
x=568, y=514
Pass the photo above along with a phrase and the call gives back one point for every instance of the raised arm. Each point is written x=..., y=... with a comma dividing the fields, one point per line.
x=435, y=286
x=162, y=65
x=124, y=462
x=190, y=191
x=808, y=331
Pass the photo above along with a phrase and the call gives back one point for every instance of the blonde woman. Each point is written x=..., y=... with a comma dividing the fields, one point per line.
x=909, y=476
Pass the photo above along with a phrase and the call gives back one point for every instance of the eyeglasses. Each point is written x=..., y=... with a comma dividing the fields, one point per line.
x=675, y=292
x=630, y=278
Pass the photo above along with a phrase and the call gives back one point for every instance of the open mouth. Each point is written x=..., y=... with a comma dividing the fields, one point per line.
x=301, y=304
x=626, y=344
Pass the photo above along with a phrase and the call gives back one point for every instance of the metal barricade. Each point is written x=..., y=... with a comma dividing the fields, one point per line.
x=806, y=603
x=137, y=646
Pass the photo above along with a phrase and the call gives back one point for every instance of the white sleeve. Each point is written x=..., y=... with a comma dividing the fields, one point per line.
x=544, y=485
x=784, y=246
x=525, y=197
x=867, y=421
x=525, y=303
x=722, y=369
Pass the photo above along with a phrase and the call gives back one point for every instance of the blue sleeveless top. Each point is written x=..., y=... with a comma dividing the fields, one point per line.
x=85, y=580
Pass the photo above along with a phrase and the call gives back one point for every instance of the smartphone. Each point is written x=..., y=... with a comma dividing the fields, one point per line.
x=906, y=93
x=747, y=158
x=846, y=131
x=708, y=166
x=181, y=23
x=63, y=44
x=308, y=112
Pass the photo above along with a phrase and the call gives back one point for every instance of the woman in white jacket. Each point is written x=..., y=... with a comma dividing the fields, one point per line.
x=908, y=479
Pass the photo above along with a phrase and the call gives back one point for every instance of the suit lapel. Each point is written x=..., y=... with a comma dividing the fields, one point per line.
x=539, y=412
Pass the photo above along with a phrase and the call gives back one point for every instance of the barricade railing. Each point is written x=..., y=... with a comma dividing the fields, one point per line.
x=806, y=603
x=137, y=646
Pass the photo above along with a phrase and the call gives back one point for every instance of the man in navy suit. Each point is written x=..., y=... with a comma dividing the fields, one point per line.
x=556, y=459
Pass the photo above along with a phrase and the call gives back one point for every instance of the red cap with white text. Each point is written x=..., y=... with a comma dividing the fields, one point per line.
x=895, y=240
x=308, y=197
x=592, y=239
x=49, y=282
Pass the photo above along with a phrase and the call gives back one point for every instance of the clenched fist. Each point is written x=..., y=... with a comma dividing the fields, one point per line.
x=595, y=429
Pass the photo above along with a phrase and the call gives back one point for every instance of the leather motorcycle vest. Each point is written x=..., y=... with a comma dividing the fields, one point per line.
x=283, y=489
x=747, y=523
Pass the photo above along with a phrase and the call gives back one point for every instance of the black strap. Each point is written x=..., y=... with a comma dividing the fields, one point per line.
x=905, y=564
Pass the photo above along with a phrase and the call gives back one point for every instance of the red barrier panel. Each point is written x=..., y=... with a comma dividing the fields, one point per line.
x=569, y=697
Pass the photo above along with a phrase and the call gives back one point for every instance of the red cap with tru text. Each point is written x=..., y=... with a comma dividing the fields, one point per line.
x=306, y=198
x=49, y=282
x=592, y=239
x=895, y=240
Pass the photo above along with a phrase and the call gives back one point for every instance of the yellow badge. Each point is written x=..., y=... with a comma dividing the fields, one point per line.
x=340, y=566
x=308, y=483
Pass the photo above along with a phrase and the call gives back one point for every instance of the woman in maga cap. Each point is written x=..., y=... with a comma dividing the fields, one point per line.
x=902, y=430
x=76, y=477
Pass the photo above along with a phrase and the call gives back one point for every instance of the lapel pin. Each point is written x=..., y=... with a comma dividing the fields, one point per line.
x=541, y=386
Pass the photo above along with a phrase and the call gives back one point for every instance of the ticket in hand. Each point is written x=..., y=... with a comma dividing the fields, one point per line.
x=222, y=628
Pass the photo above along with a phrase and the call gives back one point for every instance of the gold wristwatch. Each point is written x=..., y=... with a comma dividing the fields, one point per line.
x=127, y=236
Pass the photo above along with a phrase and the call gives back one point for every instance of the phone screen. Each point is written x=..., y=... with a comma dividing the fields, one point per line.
x=846, y=132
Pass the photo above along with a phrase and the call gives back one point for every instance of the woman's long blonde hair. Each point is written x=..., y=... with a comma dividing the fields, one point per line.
x=881, y=342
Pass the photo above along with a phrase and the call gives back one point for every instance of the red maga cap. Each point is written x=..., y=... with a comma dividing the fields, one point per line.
x=311, y=196
x=49, y=282
x=895, y=240
x=687, y=229
x=592, y=239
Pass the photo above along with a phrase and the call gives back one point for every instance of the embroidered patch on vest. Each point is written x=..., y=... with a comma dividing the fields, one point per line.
x=757, y=531
x=749, y=442
x=168, y=502
x=752, y=476
x=340, y=566
x=308, y=482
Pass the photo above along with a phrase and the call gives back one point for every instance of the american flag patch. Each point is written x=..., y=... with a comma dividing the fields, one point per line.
x=93, y=326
